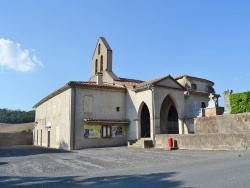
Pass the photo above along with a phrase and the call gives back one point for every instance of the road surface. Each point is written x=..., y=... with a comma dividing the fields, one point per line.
x=29, y=166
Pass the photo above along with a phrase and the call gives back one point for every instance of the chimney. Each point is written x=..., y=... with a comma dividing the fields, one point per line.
x=99, y=79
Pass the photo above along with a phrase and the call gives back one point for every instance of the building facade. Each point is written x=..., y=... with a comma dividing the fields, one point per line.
x=109, y=111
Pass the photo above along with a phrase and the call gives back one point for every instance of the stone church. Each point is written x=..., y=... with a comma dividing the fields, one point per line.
x=110, y=111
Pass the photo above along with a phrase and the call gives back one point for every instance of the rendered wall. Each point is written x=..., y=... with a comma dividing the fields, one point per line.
x=56, y=112
x=104, y=107
x=8, y=139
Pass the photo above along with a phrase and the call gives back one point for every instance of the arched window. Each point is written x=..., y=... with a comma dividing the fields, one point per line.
x=203, y=105
x=101, y=68
x=99, y=49
x=193, y=86
x=96, y=66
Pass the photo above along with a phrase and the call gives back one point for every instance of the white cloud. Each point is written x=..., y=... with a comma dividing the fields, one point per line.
x=13, y=57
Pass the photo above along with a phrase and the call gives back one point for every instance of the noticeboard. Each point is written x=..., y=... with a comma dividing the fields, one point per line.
x=92, y=131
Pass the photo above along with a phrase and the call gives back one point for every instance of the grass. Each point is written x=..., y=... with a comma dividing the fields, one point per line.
x=8, y=128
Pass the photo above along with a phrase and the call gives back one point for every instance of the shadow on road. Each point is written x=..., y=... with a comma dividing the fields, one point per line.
x=149, y=180
x=25, y=150
x=3, y=163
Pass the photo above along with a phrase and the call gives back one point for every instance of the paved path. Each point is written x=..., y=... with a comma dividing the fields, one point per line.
x=29, y=166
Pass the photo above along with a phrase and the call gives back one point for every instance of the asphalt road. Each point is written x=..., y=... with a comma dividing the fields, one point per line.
x=29, y=166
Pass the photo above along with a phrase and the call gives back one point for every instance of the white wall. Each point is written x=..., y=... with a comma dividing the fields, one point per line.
x=104, y=107
x=55, y=111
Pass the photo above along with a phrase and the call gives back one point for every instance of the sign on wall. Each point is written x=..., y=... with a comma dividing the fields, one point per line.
x=92, y=131
x=118, y=131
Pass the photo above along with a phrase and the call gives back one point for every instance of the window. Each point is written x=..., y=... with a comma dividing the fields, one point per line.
x=210, y=89
x=203, y=105
x=99, y=49
x=101, y=68
x=96, y=66
x=106, y=131
x=193, y=86
x=118, y=109
x=88, y=104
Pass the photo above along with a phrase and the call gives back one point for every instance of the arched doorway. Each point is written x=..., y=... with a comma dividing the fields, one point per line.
x=169, y=117
x=173, y=127
x=145, y=122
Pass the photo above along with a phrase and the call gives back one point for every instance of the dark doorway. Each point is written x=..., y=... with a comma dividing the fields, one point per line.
x=37, y=137
x=203, y=105
x=48, y=139
x=173, y=127
x=145, y=122
x=41, y=139
x=169, y=117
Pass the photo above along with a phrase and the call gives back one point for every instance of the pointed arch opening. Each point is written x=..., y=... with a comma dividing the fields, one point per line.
x=145, y=121
x=169, y=117
x=96, y=66
x=101, y=68
x=99, y=49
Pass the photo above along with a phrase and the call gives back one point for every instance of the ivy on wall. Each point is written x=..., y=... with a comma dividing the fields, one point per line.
x=240, y=102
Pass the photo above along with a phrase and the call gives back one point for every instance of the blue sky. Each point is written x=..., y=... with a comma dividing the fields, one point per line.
x=45, y=44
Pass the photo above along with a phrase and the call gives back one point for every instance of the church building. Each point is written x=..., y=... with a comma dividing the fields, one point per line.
x=111, y=111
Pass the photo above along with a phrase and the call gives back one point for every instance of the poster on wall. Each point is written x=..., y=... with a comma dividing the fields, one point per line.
x=118, y=131
x=92, y=131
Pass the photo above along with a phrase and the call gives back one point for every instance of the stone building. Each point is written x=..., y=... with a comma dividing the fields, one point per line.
x=108, y=110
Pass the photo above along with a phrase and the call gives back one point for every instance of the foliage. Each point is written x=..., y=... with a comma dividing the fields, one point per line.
x=26, y=131
x=240, y=102
x=16, y=116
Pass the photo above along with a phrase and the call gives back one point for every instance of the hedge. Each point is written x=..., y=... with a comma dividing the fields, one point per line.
x=240, y=102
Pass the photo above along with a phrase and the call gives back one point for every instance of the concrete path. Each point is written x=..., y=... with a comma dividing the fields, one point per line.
x=29, y=166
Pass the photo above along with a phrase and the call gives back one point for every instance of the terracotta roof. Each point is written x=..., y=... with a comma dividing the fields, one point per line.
x=93, y=84
x=80, y=84
x=150, y=82
x=192, y=77
x=107, y=121
x=128, y=82
x=154, y=81
x=203, y=92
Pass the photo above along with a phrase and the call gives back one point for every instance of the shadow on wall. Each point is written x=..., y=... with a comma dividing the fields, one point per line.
x=149, y=180
x=64, y=145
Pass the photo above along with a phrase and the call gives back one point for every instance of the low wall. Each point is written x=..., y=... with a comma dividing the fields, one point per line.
x=205, y=141
x=7, y=139
x=224, y=132
x=224, y=124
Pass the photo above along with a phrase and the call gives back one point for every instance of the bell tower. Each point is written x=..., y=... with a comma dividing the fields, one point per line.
x=102, y=57
x=102, y=63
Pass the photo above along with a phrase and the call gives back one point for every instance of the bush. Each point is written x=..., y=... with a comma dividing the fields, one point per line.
x=240, y=102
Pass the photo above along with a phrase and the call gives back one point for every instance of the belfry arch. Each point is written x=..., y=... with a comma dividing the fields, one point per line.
x=169, y=117
x=145, y=121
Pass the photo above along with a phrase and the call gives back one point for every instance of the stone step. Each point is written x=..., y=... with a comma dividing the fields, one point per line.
x=139, y=143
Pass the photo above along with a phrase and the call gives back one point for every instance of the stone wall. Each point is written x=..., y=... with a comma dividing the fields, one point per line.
x=8, y=139
x=225, y=132
x=205, y=141
x=209, y=112
x=225, y=124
